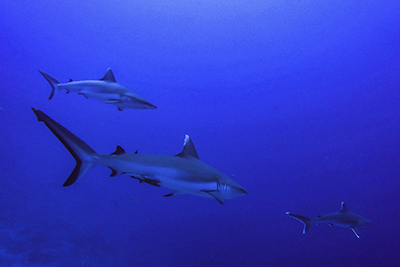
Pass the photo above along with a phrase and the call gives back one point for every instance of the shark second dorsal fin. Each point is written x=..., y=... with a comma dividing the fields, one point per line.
x=343, y=208
x=109, y=76
x=118, y=151
x=188, y=149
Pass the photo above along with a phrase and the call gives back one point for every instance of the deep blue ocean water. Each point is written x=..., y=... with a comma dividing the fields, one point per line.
x=297, y=101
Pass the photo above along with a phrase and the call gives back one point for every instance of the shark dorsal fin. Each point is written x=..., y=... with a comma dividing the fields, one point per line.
x=109, y=76
x=118, y=151
x=343, y=208
x=188, y=149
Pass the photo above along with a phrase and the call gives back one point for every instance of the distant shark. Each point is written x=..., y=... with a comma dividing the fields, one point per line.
x=184, y=173
x=343, y=218
x=105, y=90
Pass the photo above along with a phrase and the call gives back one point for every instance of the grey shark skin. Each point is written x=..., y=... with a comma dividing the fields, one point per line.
x=105, y=90
x=184, y=172
x=343, y=218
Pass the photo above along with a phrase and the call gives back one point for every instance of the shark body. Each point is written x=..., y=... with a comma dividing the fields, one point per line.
x=343, y=218
x=184, y=173
x=105, y=90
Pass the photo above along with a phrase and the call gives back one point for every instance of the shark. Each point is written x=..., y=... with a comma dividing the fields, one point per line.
x=342, y=218
x=184, y=173
x=105, y=90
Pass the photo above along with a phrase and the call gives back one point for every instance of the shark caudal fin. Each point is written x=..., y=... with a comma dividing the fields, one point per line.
x=53, y=82
x=82, y=153
x=306, y=221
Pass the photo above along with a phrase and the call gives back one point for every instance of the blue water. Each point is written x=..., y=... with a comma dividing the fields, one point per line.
x=297, y=101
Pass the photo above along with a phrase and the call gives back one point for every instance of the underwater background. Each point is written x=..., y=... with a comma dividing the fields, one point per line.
x=297, y=101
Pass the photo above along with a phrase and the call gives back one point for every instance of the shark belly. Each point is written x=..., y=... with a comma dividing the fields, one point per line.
x=102, y=91
x=165, y=175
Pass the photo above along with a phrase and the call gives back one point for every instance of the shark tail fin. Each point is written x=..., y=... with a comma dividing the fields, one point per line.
x=53, y=82
x=306, y=221
x=84, y=156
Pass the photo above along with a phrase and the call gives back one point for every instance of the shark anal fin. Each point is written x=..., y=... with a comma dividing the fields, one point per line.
x=113, y=172
x=355, y=231
x=149, y=181
x=118, y=151
x=215, y=194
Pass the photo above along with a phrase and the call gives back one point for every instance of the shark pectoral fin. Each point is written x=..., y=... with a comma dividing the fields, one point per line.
x=215, y=194
x=83, y=95
x=355, y=231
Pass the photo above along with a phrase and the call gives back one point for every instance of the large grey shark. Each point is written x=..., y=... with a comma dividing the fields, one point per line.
x=105, y=90
x=184, y=173
x=343, y=218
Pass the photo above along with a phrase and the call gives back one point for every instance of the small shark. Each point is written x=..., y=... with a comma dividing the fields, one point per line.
x=343, y=218
x=184, y=172
x=105, y=90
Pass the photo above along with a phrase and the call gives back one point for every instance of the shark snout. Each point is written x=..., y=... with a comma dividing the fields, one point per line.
x=238, y=191
x=242, y=191
x=151, y=106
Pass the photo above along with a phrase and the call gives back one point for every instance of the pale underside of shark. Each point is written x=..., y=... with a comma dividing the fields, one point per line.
x=343, y=218
x=105, y=90
x=184, y=173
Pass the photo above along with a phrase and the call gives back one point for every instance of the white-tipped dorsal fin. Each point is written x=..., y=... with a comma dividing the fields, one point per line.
x=343, y=208
x=188, y=149
x=109, y=76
